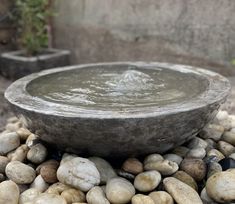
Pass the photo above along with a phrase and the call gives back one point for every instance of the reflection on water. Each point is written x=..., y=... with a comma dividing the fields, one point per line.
x=116, y=87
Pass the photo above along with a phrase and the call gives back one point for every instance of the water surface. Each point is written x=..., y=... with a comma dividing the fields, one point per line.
x=116, y=88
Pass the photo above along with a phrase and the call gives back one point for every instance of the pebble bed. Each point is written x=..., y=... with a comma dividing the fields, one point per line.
x=200, y=171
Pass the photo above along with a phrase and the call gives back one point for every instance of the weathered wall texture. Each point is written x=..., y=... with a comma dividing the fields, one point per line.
x=199, y=32
x=6, y=29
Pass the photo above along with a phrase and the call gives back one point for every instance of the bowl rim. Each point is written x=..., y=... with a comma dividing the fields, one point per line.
x=216, y=92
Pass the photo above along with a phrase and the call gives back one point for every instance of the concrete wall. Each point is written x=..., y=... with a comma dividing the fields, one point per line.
x=199, y=32
x=6, y=28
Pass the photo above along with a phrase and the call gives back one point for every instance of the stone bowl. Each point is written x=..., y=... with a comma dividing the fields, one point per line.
x=113, y=133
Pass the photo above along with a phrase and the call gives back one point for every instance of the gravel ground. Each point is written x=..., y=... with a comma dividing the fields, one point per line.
x=201, y=171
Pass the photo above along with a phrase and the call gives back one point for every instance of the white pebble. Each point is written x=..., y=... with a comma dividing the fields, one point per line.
x=229, y=137
x=165, y=167
x=221, y=187
x=67, y=157
x=222, y=115
x=153, y=158
x=214, y=152
x=197, y=142
x=9, y=142
x=39, y=184
x=181, y=192
x=119, y=190
x=20, y=153
x=212, y=131
x=57, y=188
x=96, y=196
x=147, y=181
x=23, y=133
x=225, y=148
x=197, y=152
x=141, y=199
x=79, y=173
x=37, y=154
x=9, y=193
x=161, y=197
x=20, y=173
x=29, y=195
x=73, y=196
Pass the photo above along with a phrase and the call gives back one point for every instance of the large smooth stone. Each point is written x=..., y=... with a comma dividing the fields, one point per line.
x=181, y=192
x=119, y=190
x=20, y=173
x=133, y=129
x=79, y=173
x=9, y=193
x=221, y=187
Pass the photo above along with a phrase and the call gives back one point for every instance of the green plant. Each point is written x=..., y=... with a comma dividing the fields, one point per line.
x=233, y=62
x=31, y=19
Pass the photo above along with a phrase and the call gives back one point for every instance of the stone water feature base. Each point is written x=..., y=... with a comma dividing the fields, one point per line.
x=120, y=108
x=199, y=171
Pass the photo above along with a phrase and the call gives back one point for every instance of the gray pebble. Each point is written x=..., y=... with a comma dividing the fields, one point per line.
x=9, y=142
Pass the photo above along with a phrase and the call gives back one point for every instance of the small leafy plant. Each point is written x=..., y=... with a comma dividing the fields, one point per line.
x=233, y=62
x=31, y=19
